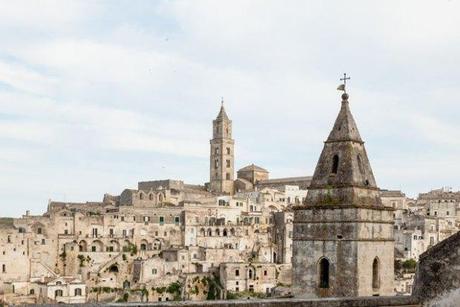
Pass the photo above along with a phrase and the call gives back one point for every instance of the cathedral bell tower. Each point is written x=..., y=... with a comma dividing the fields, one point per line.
x=343, y=236
x=222, y=155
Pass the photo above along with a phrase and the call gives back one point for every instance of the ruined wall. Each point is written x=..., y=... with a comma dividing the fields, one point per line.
x=438, y=270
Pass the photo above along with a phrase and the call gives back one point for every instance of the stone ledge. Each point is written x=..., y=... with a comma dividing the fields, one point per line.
x=387, y=301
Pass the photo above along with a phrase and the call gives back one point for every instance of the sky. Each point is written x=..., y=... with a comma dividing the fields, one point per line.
x=98, y=95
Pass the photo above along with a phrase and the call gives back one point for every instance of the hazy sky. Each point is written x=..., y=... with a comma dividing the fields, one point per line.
x=97, y=95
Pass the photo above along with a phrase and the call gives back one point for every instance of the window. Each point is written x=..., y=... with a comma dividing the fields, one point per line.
x=228, y=163
x=77, y=292
x=250, y=274
x=9, y=239
x=447, y=213
x=141, y=196
x=237, y=289
x=375, y=274
x=122, y=218
x=324, y=273
x=162, y=220
x=93, y=249
x=32, y=292
x=237, y=272
x=177, y=220
x=66, y=232
x=3, y=268
x=335, y=164
x=94, y=232
x=150, y=196
x=111, y=231
x=216, y=150
x=43, y=242
x=154, y=271
x=39, y=230
x=216, y=164
x=57, y=293
x=265, y=273
x=228, y=150
x=227, y=176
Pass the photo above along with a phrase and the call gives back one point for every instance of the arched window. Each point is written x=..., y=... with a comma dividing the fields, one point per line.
x=335, y=164
x=141, y=196
x=324, y=273
x=143, y=247
x=113, y=269
x=375, y=274
x=224, y=233
x=209, y=232
x=217, y=232
x=250, y=274
x=57, y=293
x=150, y=196
x=77, y=292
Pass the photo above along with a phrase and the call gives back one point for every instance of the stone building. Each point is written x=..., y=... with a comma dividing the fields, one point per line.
x=222, y=155
x=343, y=236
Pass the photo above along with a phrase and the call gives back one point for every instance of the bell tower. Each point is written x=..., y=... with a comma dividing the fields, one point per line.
x=222, y=155
x=343, y=235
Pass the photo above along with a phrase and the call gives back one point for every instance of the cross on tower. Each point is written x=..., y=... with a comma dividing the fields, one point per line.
x=344, y=79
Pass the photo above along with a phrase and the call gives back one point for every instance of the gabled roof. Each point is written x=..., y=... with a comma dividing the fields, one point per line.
x=253, y=167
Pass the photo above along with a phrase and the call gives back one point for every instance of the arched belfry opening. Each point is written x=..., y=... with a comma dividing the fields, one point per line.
x=335, y=164
x=375, y=274
x=324, y=273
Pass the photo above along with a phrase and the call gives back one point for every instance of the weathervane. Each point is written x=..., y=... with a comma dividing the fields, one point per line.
x=342, y=87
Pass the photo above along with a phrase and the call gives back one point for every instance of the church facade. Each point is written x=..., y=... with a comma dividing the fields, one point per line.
x=343, y=241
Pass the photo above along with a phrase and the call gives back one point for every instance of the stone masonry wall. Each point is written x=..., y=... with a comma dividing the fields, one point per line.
x=438, y=270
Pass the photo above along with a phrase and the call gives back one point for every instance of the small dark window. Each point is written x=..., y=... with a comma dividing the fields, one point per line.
x=32, y=292
x=77, y=292
x=228, y=150
x=227, y=176
x=3, y=268
x=375, y=274
x=335, y=164
x=237, y=272
x=324, y=273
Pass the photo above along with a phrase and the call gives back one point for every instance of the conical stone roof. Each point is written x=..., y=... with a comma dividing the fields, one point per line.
x=222, y=114
x=343, y=174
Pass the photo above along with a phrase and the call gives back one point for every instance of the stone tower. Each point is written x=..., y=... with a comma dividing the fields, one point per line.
x=222, y=155
x=343, y=236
